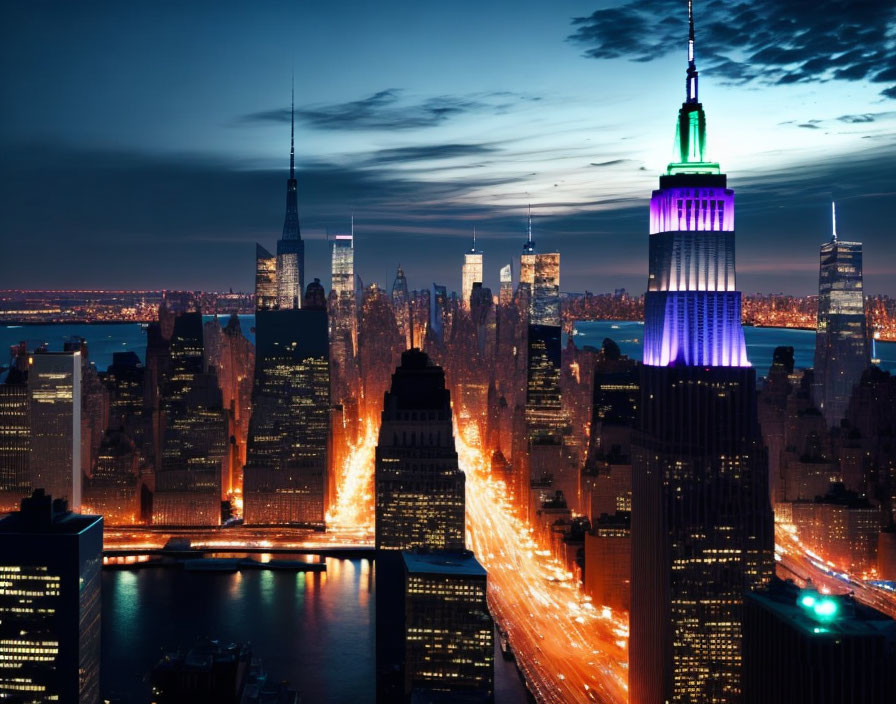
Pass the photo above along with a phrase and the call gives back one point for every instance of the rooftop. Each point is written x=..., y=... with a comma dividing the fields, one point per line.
x=456, y=563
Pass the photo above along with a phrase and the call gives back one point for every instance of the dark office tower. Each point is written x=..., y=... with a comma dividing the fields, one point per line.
x=802, y=647
x=401, y=302
x=15, y=441
x=194, y=434
x=285, y=478
x=439, y=313
x=113, y=489
x=50, y=562
x=841, y=340
x=448, y=630
x=419, y=488
x=54, y=391
x=290, y=248
x=265, y=279
x=702, y=527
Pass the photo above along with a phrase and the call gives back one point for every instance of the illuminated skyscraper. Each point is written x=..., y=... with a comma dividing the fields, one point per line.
x=527, y=262
x=265, y=279
x=194, y=433
x=285, y=477
x=545, y=307
x=419, y=488
x=505, y=293
x=54, y=391
x=841, y=340
x=15, y=441
x=344, y=319
x=471, y=272
x=701, y=519
x=50, y=563
x=290, y=247
x=448, y=630
x=401, y=302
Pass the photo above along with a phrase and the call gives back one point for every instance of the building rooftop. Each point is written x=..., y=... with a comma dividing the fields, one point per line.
x=456, y=563
x=823, y=615
x=41, y=514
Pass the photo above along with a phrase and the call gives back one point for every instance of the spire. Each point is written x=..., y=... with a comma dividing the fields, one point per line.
x=353, y=228
x=529, y=240
x=292, y=131
x=692, y=66
x=833, y=221
x=473, y=249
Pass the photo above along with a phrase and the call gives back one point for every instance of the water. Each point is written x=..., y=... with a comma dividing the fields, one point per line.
x=761, y=343
x=103, y=339
x=315, y=630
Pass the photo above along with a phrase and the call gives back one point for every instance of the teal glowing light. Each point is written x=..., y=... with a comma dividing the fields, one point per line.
x=808, y=601
x=690, y=143
x=819, y=607
x=826, y=608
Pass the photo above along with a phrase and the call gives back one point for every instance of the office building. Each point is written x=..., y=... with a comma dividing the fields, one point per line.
x=344, y=313
x=401, y=302
x=448, y=630
x=608, y=561
x=285, y=477
x=290, y=269
x=471, y=273
x=193, y=433
x=15, y=441
x=802, y=647
x=265, y=279
x=841, y=339
x=702, y=526
x=50, y=562
x=54, y=392
x=419, y=488
x=505, y=292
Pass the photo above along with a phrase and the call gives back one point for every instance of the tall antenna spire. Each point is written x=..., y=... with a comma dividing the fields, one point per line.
x=292, y=130
x=474, y=239
x=530, y=224
x=834, y=221
x=692, y=66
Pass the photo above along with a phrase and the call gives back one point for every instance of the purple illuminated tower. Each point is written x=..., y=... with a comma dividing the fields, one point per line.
x=702, y=526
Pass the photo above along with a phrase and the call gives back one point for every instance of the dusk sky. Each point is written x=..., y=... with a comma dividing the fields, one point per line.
x=145, y=145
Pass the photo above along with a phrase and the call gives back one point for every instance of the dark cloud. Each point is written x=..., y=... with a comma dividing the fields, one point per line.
x=388, y=110
x=809, y=126
x=767, y=41
x=432, y=152
x=612, y=162
x=856, y=119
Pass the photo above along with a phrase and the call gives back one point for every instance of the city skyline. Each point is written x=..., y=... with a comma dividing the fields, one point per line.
x=181, y=172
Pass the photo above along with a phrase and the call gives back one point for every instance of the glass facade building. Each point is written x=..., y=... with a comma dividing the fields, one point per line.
x=265, y=279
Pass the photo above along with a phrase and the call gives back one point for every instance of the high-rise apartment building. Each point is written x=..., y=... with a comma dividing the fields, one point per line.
x=290, y=247
x=841, y=339
x=285, y=477
x=802, y=647
x=50, y=563
x=702, y=527
x=54, y=392
x=193, y=433
x=471, y=273
x=265, y=279
x=419, y=487
x=401, y=302
x=344, y=318
x=448, y=630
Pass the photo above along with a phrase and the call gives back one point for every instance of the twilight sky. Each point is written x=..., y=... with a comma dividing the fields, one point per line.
x=146, y=144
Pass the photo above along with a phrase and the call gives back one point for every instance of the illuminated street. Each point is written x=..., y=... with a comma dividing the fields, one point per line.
x=569, y=649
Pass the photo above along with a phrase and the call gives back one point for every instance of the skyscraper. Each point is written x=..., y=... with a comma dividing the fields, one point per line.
x=290, y=247
x=505, y=293
x=419, y=487
x=50, y=563
x=344, y=319
x=194, y=433
x=54, y=391
x=802, y=647
x=471, y=272
x=15, y=441
x=701, y=518
x=841, y=340
x=265, y=279
x=285, y=478
x=401, y=302
x=448, y=630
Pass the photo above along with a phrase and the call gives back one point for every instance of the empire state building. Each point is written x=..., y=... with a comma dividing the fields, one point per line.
x=702, y=526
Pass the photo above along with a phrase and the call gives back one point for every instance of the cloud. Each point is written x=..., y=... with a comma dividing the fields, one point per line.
x=612, y=162
x=763, y=41
x=389, y=110
x=809, y=125
x=433, y=152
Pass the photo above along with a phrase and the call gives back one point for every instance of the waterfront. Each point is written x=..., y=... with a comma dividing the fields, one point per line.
x=315, y=630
